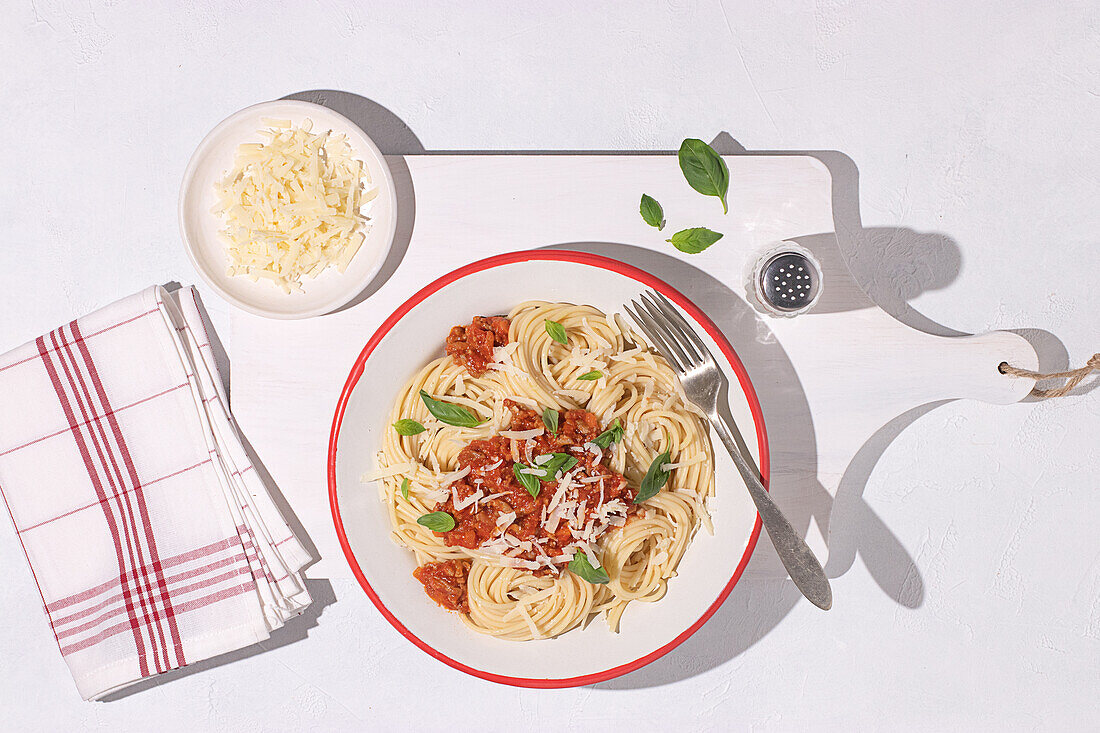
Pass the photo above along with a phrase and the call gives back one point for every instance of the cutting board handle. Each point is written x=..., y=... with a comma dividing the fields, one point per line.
x=967, y=366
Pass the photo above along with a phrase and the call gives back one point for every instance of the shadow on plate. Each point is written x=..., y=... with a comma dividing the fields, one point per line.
x=764, y=595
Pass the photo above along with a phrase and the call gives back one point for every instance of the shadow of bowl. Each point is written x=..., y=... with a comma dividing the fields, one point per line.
x=394, y=138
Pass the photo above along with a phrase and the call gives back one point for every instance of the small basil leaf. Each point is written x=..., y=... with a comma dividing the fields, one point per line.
x=550, y=420
x=590, y=376
x=405, y=488
x=408, y=427
x=655, y=478
x=528, y=481
x=651, y=212
x=451, y=414
x=556, y=331
x=693, y=241
x=704, y=170
x=558, y=462
x=613, y=434
x=580, y=566
x=437, y=521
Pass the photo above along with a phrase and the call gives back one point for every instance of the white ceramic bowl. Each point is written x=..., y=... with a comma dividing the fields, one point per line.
x=199, y=227
x=414, y=335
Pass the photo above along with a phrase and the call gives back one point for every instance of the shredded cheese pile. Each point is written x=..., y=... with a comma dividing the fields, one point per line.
x=291, y=206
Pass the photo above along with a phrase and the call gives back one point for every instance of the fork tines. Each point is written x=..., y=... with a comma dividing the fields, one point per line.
x=667, y=330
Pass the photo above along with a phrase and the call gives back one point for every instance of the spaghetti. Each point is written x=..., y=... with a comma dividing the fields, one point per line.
x=547, y=470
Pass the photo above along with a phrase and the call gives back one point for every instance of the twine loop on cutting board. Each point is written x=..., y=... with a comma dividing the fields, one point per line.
x=1073, y=377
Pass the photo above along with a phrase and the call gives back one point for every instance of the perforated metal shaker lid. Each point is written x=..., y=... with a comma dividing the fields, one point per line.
x=785, y=280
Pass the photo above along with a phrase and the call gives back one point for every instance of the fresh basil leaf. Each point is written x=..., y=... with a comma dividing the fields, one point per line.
x=528, y=481
x=451, y=414
x=405, y=488
x=580, y=566
x=556, y=331
x=558, y=462
x=550, y=420
x=655, y=478
x=437, y=521
x=591, y=376
x=408, y=427
x=613, y=434
x=704, y=169
x=651, y=212
x=693, y=241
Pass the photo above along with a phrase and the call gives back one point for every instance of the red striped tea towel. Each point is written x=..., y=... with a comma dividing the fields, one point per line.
x=153, y=542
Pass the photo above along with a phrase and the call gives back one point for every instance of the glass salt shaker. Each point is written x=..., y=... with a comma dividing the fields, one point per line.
x=783, y=280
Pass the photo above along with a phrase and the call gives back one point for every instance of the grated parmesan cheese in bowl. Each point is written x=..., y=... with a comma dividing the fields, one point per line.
x=319, y=221
x=291, y=207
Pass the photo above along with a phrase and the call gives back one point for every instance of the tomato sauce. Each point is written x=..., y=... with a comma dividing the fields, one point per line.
x=491, y=471
x=445, y=583
x=596, y=498
x=472, y=346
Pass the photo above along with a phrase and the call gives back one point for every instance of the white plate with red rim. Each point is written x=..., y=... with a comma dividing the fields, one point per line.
x=199, y=226
x=414, y=335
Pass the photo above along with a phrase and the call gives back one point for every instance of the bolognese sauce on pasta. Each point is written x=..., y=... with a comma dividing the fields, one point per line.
x=547, y=469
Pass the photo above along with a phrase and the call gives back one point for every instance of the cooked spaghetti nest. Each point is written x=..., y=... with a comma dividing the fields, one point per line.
x=637, y=387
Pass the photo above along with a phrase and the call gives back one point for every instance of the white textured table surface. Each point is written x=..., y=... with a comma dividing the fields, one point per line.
x=974, y=137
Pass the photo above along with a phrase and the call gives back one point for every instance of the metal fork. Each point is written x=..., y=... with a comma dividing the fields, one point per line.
x=703, y=383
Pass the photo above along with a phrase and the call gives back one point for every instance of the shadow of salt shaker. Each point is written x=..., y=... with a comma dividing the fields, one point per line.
x=783, y=280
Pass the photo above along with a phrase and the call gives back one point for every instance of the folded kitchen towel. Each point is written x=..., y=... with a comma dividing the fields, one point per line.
x=153, y=542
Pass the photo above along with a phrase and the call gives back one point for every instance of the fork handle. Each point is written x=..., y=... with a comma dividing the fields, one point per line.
x=797, y=558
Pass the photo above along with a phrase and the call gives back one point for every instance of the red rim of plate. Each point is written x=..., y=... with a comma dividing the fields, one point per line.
x=583, y=258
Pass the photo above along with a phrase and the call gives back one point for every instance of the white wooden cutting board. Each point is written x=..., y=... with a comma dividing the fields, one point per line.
x=827, y=380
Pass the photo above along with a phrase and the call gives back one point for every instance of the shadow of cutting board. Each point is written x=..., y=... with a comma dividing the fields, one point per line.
x=827, y=380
